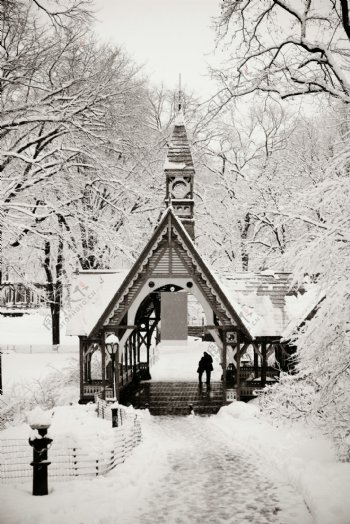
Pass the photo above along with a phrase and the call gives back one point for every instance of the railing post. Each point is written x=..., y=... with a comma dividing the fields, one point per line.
x=115, y=422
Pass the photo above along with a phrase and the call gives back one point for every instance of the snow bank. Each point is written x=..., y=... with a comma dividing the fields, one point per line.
x=306, y=458
x=96, y=500
x=29, y=369
x=31, y=330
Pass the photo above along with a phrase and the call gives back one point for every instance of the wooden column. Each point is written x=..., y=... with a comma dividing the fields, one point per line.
x=103, y=366
x=81, y=366
x=88, y=366
x=130, y=356
x=256, y=363
x=122, y=368
x=117, y=386
x=263, y=364
x=149, y=338
x=126, y=349
x=238, y=368
x=136, y=342
x=224, y=368
x=138, y=348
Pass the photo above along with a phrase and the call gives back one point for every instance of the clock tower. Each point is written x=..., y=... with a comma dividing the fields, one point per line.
x=179, y=172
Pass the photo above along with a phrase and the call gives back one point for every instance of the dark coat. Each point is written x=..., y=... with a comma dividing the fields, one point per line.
x=205, y=363
x=208, y=362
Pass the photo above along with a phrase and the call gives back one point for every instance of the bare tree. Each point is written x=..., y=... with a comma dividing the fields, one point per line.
x=285, y=47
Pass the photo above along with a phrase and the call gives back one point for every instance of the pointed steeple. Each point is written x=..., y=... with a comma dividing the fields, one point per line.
x=179, y=172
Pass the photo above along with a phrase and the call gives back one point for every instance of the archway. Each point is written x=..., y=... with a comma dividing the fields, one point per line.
x=171, y=359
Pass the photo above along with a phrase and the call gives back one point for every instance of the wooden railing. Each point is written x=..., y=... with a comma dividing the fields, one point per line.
x=248, y=372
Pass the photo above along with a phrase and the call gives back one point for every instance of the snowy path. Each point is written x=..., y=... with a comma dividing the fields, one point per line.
x=210, y=479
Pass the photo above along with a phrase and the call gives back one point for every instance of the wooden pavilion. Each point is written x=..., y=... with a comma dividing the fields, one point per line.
x=245, y=313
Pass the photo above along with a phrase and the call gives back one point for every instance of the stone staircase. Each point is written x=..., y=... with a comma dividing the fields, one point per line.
x=174, y=398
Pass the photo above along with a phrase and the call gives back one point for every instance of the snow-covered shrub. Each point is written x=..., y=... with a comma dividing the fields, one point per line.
x=59, y=387
x=293, y=398
x=301, y=398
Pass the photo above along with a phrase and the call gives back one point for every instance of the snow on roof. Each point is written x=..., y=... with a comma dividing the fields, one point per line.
x=265, y=303
x=179, y=153
x=299, y=307
x=173, y=165
x=179, y=119
x=258, y=299
x=91, y=292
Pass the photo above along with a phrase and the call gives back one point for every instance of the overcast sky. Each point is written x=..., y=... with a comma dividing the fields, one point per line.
x=168, y=36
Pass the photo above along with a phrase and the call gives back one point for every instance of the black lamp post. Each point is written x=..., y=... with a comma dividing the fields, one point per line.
x=112, y=347
x=40, y=443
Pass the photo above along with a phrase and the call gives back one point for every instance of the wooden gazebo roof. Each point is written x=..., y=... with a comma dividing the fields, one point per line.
x=260, y=304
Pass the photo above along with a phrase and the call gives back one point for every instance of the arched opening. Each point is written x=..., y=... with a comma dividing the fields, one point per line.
x=96, y=364
x=171, y=359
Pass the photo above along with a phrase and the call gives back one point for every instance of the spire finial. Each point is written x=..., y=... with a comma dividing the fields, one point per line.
x=180, y=93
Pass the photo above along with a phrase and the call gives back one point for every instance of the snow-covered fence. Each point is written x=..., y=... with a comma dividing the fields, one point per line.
x=70, y=459
x=125, y=415
x=40, y=348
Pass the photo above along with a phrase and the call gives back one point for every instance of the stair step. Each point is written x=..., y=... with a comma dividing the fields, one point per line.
x=174, y=398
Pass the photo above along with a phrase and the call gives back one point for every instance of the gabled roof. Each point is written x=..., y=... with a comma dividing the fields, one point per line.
x=261, y=304
x=91, y=292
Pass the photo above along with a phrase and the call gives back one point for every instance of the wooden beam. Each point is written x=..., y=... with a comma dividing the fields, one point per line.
x=116, y=327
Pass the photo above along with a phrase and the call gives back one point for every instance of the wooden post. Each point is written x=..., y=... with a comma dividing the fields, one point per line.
x=103, y=366
x=149, y=338
x=126, y=349
x=224, y=366
x=81, y=363
x=130, y=355
x=263, y=364
x=238, y=368
x=139, y=348
x=136, y=345
x=88, y=366
x=117, y=373
x=256, y=363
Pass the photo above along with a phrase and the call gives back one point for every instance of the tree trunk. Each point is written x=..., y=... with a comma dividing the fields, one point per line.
x=244, y=234
x=54, y=288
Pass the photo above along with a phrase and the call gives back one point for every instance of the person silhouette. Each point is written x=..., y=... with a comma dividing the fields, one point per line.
x=205, y=364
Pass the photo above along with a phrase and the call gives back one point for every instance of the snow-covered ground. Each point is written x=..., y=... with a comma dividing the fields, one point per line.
x=235, y=467
x=32, y=329
x=27, y=369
